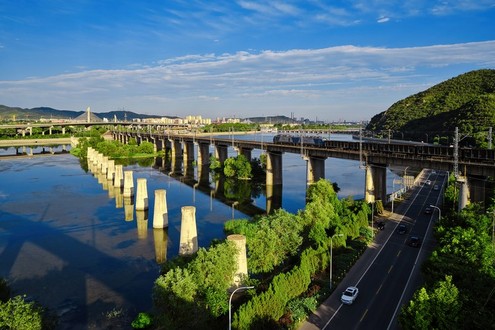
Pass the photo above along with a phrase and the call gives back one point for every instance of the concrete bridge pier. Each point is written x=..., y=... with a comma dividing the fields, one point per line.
x=273, y=168
x=273, y=198
x=221, y=152
x=242, y=270
x=203, y=154
x=175, y=149
x=315, y=169
x=188, y=231
x=111, y=170
x=128, y=184
x=160, y=213
x=118, y=179
x=142, y=195
x=375, y=183
x=463, y=192
x=188, y=151
x=159, y=144
x=477, y=189
x=246, y=152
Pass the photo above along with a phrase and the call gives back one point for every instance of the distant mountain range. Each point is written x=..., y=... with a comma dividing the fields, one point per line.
x=7, y=113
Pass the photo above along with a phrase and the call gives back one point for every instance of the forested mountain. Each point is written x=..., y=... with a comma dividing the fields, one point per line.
x=466, y=101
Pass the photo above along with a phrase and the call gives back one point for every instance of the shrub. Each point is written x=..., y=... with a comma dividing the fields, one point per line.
x=19, y=314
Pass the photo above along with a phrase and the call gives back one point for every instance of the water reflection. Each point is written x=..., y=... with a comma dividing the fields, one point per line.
x=66, y=243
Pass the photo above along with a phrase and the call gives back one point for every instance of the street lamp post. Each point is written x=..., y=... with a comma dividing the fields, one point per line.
x=439, y=211
x=331, y=256
x=230, y=302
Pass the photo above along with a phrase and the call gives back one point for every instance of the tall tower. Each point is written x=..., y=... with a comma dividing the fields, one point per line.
x=88, y=114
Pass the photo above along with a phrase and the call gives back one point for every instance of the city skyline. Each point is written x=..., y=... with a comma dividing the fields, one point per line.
x=345, y=61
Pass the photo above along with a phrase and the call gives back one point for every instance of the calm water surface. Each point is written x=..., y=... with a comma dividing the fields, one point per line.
x=67, y=242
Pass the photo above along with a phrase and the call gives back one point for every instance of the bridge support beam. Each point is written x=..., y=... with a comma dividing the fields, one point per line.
x=175, y=149
x=203, y=154
x=244, y=151
x=221, y=153
x=375, y=183
x=315, y=169
x=188, y=152
x=188, y=232
x=273, y=168
x=463, y=192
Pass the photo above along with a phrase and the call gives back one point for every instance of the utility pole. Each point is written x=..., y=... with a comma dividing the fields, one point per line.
x=489, y=138
x=456, y=153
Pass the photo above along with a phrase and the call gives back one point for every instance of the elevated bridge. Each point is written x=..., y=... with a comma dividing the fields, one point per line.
x=374, y=156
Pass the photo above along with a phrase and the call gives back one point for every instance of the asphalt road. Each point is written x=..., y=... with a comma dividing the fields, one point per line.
x=388, y=272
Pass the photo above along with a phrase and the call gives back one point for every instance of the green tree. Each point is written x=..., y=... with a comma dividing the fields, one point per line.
x=18, y=314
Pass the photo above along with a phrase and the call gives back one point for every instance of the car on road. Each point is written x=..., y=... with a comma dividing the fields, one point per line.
x=349, y=295
x=428, y=210
x=401, y=229
x=435, y=187
x=414, y=241
x=380, y=225
x=428, y=182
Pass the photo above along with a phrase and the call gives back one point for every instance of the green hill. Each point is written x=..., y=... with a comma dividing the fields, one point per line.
x=466, y=101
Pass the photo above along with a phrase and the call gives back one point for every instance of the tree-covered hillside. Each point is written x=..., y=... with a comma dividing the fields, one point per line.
x=466, y=101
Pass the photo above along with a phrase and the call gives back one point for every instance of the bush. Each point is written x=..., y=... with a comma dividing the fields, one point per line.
x=142, y=321
x=17, y=314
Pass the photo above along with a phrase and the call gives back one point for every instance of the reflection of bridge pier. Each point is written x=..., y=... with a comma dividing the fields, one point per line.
x=273, y=198
x=203, y=176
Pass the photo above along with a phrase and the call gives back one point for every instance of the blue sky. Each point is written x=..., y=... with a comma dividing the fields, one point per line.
x=325, y=60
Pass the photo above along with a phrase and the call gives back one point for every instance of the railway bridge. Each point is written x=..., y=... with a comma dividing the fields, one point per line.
x=374, y=156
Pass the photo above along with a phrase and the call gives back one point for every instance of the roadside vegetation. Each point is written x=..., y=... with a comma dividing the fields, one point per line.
x=288, y=259
x=459, y=290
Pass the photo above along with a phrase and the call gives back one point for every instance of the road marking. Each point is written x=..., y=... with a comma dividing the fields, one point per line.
x=379, y=289
x=398, y=253
x=390, y=268
x=365, y=312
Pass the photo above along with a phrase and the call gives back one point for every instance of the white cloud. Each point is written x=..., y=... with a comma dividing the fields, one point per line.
x=251, y=83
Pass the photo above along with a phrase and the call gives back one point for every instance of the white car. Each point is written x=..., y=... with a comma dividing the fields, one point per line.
x=349, y=295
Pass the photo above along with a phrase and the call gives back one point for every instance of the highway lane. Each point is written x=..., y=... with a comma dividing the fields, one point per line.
x=387, y=283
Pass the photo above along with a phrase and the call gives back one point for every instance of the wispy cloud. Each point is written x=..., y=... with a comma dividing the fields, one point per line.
x=334, y=77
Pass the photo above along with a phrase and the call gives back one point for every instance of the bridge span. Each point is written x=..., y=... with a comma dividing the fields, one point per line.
x=375, y=157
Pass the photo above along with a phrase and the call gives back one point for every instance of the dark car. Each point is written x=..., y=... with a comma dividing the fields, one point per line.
x=428, y=210
x=401, y=229
x=414, y=241
x=380, y=225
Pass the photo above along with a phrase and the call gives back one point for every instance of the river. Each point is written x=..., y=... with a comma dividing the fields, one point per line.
x=67, y=242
